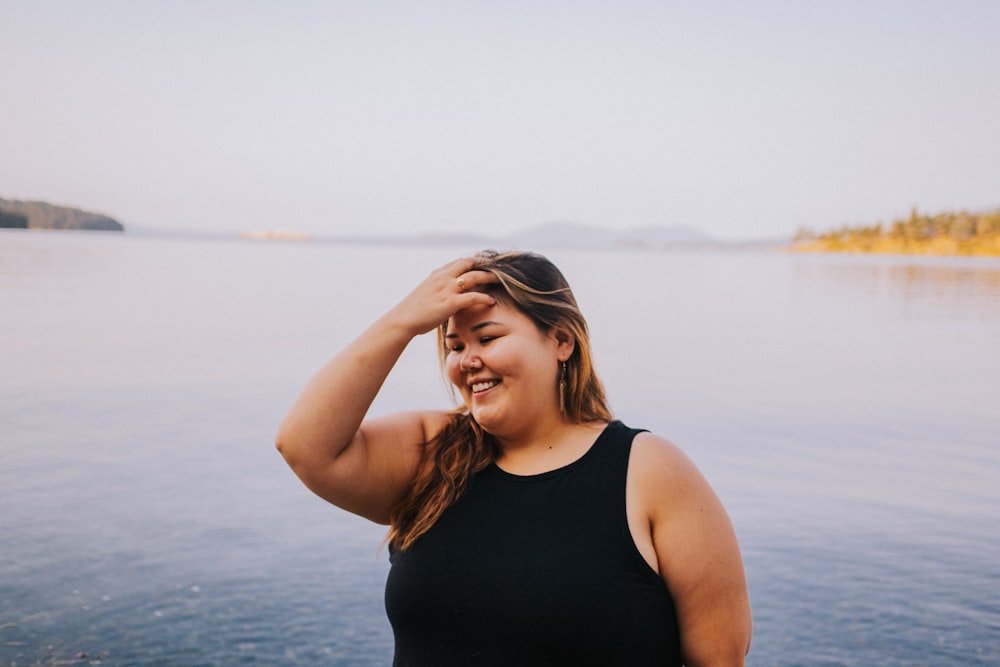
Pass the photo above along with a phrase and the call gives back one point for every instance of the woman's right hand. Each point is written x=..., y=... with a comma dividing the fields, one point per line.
x=443, y=293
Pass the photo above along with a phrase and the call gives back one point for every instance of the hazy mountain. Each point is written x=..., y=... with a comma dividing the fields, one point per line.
x=578, y=235
x=571, y=235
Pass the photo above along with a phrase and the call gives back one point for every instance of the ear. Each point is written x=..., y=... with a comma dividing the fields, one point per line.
x=565, y=342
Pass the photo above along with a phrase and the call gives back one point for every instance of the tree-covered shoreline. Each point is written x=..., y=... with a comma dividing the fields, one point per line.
x=43, y=215
x=946, y=233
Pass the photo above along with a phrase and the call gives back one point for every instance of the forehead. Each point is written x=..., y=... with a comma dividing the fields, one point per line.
x=499, y=313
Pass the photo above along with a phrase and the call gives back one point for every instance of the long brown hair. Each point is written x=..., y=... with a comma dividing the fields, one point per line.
x=533, y=285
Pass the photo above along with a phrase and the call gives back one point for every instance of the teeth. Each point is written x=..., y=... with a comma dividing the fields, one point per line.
x=483, y=386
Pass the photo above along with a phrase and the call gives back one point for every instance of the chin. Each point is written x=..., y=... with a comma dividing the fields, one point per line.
x=485, y=420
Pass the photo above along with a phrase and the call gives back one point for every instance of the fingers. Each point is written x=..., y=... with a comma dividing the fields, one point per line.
x=468, y=280
x=463, y=278
x=453, y=287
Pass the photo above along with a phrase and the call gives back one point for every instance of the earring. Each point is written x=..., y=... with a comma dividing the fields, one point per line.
x=562, y=389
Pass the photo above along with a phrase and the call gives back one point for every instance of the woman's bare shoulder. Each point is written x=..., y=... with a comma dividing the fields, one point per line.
x=401, y=434
x=435, y=421
x=667, y=482
x=658, y=460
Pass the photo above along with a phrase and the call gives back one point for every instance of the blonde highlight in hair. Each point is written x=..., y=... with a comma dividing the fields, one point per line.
x=533, y=285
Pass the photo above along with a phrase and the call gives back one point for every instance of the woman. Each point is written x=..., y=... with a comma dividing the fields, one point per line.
x=527, y=526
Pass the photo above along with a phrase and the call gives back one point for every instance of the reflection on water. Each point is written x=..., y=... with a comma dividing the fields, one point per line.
x=843, y=407
x=948, y=287
x=34, y=254
x=949, y=281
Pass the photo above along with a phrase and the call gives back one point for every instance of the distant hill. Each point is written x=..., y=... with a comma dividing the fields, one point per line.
x=577, y=235
x=42, y=215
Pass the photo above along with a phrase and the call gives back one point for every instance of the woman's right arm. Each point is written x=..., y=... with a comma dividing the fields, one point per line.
x=366, y=465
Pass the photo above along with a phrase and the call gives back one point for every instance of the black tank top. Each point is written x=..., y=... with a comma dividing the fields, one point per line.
x=534, y=570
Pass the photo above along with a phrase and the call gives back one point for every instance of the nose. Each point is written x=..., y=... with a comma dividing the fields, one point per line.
x=470, y=361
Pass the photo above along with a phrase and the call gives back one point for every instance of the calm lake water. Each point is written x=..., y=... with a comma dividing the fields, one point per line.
x=846, y=409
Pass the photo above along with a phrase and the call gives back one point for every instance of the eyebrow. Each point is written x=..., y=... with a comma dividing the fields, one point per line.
x=475, y=327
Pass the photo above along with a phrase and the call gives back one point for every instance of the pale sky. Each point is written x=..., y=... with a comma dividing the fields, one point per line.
x=742, y=119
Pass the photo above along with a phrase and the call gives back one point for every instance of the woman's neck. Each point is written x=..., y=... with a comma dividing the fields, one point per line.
x=549, y=448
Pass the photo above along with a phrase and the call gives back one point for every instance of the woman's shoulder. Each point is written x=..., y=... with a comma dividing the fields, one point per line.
x=411, y=425
x=435, y=421
x=661, y=468
x=654, y=448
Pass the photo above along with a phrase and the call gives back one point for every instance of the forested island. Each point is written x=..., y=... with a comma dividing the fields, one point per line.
x=42, y=215
x=948, y=233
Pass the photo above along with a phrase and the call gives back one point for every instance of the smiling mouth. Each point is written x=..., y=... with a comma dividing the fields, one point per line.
x=480, y=387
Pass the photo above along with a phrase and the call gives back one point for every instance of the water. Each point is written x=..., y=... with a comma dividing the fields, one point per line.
x=844, y=408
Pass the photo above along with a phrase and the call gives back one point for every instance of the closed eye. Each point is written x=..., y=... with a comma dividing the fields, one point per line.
x=458, y=347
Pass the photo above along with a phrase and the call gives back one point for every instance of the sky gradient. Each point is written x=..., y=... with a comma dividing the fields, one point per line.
x=387, y=118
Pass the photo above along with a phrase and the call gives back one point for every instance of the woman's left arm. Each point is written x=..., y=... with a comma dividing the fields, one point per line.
x=696, y=551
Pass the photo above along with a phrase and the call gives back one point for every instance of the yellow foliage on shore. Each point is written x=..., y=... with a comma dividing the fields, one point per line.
x=949, y=233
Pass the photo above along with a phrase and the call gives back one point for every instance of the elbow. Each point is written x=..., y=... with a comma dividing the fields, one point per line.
x=303, y=453
x=288, y=454
x=296, y=457
x=281, y=440
x=749, y=635
x=285, y=443
x=279, y=444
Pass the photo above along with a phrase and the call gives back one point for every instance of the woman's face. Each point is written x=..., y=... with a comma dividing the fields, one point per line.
x=504, y=367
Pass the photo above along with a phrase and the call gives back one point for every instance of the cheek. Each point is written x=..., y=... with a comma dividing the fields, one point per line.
x=452, y=370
